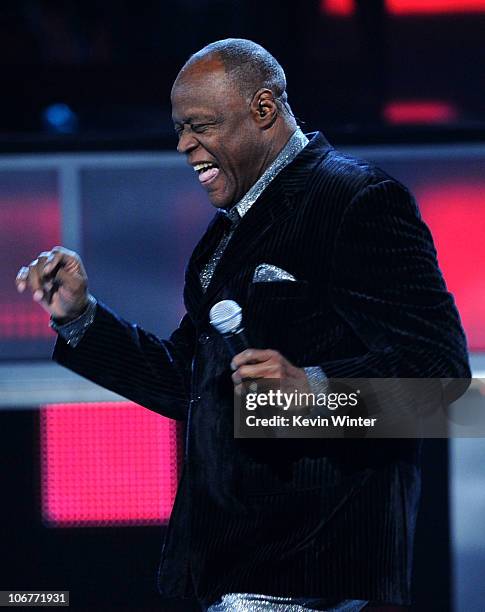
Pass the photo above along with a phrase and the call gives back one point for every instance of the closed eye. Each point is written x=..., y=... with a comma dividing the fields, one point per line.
x=196, y=128
x=199, y=128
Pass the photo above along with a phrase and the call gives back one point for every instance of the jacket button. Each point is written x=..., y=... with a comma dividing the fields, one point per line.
x=204, y=338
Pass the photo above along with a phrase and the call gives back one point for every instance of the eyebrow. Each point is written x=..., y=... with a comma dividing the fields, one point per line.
x=194, y=120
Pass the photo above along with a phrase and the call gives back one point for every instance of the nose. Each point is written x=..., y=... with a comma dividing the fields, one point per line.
x=187, y=143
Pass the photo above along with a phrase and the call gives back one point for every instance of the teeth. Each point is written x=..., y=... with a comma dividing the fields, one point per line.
x=204, y=166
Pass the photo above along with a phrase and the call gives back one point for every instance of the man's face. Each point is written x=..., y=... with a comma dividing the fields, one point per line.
x=217, y=132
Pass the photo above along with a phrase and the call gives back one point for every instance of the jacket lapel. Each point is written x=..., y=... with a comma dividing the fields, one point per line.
x=193, y=293
x=277, y=202
x=273, y=206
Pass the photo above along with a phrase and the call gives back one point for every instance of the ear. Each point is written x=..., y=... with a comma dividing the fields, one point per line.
x=263, y=108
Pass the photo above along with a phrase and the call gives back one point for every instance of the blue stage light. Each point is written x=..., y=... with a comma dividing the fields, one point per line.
x=60, y=118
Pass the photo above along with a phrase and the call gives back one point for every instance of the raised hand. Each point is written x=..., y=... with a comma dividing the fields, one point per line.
x=58, y=282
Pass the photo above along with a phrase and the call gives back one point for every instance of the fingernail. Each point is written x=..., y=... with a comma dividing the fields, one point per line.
x=38, y=295
x=233, y=367
x=20, y=287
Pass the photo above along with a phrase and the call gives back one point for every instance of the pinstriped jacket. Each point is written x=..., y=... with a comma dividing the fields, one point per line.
x=312, y=518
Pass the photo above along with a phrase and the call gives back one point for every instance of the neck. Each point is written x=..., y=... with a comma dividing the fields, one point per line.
x=278, y=141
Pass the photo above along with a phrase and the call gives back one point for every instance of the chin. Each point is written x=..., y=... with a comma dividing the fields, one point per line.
x=220, y=202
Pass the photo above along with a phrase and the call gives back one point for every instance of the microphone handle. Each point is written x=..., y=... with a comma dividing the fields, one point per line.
x=236, y=341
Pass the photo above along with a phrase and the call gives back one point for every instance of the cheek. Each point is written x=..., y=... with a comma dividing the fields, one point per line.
x=238, y=159
x=228, y=162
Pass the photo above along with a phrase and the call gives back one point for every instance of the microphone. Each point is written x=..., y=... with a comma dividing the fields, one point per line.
x=226, y=318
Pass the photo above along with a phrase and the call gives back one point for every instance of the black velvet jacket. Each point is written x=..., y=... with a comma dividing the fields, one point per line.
x=316, y=518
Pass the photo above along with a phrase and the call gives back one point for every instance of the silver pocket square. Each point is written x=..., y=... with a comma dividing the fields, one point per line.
x=268, y=273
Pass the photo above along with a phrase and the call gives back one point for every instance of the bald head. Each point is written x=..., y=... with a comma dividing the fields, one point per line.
x=248, y=66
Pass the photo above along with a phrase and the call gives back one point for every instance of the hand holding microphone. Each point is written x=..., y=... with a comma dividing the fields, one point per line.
x=250, y=363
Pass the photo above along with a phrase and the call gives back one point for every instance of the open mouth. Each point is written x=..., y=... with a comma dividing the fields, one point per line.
x=207, y=171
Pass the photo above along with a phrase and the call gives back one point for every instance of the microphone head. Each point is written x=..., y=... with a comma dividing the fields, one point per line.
x=226, y=316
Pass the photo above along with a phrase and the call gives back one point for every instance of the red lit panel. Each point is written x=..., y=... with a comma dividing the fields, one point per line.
x=431, y=7
x=345, y=8
x=455, y=212
x=110, y=463
x=419, y=112
x=22, y=321
x=339, y=8
x=29, y=223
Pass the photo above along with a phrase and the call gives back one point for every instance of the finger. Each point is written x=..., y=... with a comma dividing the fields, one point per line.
x=62, y=249
x=40, y=264
x=35, y=274
x=58, y=256
x=72, y=288
x=33, y=280
x=66, y=279
x=53, y=282
x=53, y=274
x=260, y=370
x=251, y=355
x=21, y=278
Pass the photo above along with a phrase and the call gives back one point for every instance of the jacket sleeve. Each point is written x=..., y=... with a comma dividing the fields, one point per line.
x=387, y=286
x=126, y=359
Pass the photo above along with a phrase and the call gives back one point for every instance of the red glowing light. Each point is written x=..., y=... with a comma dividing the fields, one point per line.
x=419, y=112
x=434, y=7
x=24, y=321
x=454, y=212
x=110, y=463
x=338, y=8
x=346, y=8
x=29, y=223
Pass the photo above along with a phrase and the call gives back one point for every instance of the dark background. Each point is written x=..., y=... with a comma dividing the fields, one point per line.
x=113, y=63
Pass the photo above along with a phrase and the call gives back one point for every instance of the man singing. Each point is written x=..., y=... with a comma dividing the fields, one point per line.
x=337, y=276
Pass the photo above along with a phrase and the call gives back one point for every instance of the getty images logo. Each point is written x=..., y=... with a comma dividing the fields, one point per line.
x=295, y=399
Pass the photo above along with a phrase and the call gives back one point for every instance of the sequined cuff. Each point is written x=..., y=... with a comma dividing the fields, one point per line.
x=74, y=331
x=316, y=379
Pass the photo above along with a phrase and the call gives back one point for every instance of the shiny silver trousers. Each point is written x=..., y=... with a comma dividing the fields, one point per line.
x=251, y=602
